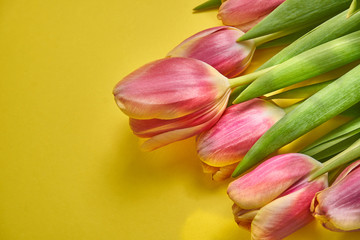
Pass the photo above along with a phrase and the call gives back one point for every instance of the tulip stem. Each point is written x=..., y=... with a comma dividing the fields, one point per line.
x=346, y=156
x=272, y=36
x=301, y=92
x=248, y=78
x=354, y=8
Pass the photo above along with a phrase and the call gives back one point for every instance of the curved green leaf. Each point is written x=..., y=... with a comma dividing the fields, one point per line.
x=320, y=107
x=294, y=13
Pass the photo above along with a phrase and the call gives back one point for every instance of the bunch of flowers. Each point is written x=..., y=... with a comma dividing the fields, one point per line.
x=197, y=90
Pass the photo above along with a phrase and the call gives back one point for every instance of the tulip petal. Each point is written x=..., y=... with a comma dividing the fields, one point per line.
x=180, y=134
x=223, y=173
x=237, y=12
x=249, y=25
x=244, y=217
x=270, y=179
x=238, y=129
x=218, y=173
x=208, y=169
x=338, y=207
x=346, y=171
x=286, y=214
x=169, y=88
x=189, y=41
x=147, y=128
x=218, y=47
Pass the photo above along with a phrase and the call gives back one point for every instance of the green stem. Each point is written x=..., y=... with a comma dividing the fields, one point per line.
x=319, y=108
x=346, y=156
x=301, y=92
x=354, y=7
x=341, y=131
x=248, y=78
x=267, y=38
x=311, y=63
x=272, y=36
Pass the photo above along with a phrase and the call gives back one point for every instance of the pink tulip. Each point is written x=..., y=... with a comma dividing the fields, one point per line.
x=218, y=47
x=338, y=207
x=226, y=143
x=274, y=199
x=245, y=14
x=172, y=99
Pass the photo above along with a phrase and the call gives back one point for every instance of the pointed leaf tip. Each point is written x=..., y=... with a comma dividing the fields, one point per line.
x=354, y=8
x=242, y=38
x=242, y=167
x=208, y=5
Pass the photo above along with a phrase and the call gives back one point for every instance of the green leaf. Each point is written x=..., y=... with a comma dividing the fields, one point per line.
x=295, y=13
x=354, y=8
x=301, y=92
x=283, y=35
x=335, y=149
x=235, y=93
x=285, y=40
x=341, y=131
x=329, y=144
x=320, y=107
x=333, y=28
x=313, y=62
x=210, y=4
x=344, y=157
x=354, y=111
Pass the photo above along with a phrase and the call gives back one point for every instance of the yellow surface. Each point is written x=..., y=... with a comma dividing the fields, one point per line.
x=70, y=167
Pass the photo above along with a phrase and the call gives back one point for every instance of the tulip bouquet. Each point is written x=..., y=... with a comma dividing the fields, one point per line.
x=197, y=90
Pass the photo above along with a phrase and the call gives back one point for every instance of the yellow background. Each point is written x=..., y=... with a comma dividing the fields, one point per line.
x=70, y=167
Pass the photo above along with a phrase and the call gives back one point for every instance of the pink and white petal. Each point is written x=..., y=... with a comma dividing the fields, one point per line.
x=183, y=48
x=220, y=50
x=286, y=214
x=270, y=179
x=242, y=59
x=249, y=25
x=236, y=132
x=236, y=12
x=147, y=128
x=347, y=170
x=169, y=88
x=180, y=134
x=338, y=207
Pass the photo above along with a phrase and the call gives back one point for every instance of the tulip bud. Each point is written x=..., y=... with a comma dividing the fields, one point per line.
x=245, y=14
x=274, y=199
x=227, y=142
x=218, y=47
x=172, y=99
x=338, y=207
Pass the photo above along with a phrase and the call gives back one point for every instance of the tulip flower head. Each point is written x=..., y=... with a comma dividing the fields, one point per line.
x=245, y=14
x=218, y=47
x=338, y=207
x=172, y=99
x=226, y=143
x=274, y=199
